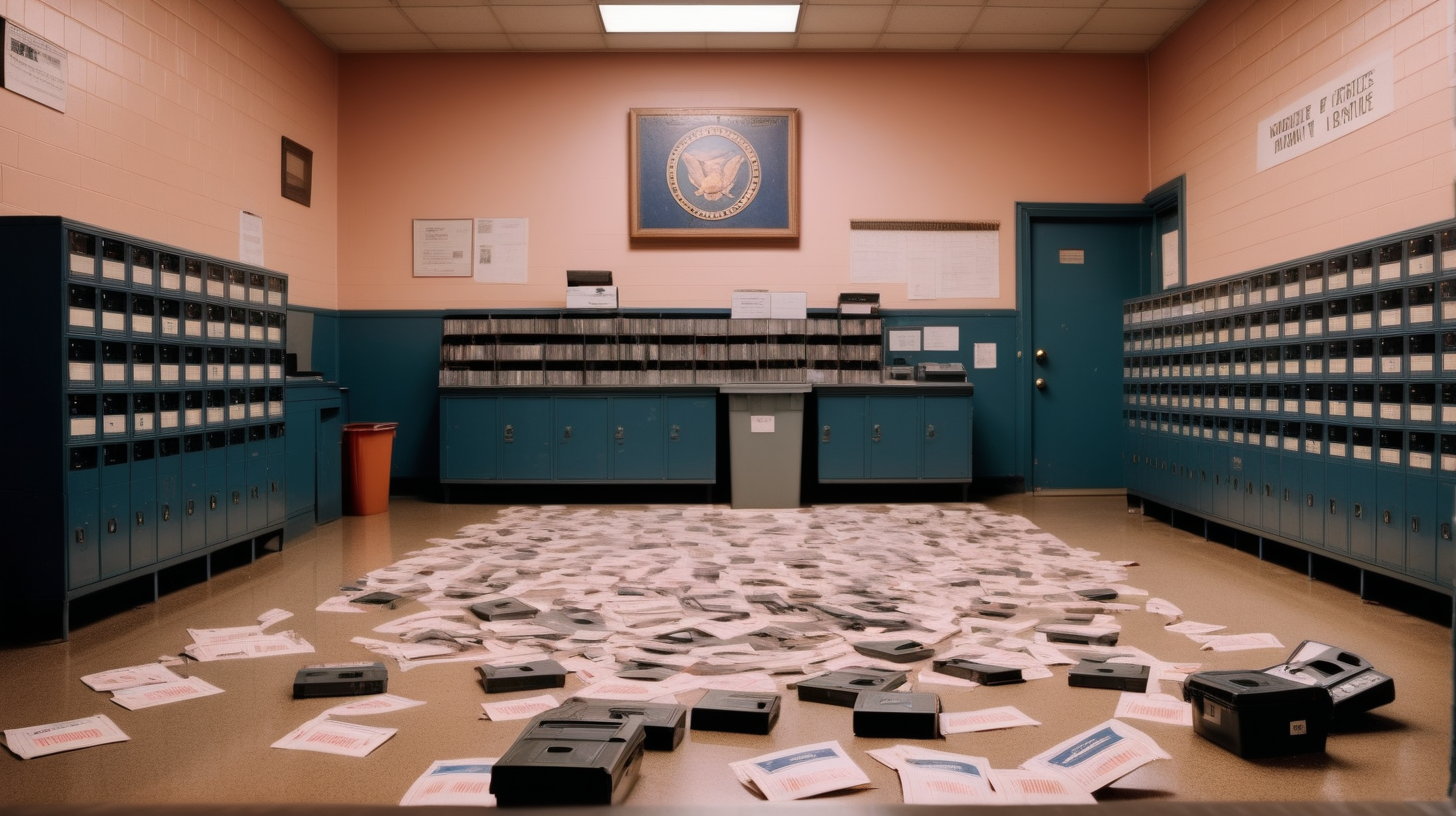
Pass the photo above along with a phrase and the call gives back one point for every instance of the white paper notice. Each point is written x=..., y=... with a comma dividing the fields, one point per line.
x=453, y=782
x=250, y=238
x=261, y=646
x=1098, y=756
x=335, y=737
x=1163, y=708
x=377, y=704
x=970, y=264
x=904, y=339
x=937, y=263
x=34, y=68
x=987, y=719
x=788, y=305
x=798, y=773
x=1343, y=105
x=750, y=304
x=875, y=256
x=442, y=247
x=131, y=677
x=1171, y=269
x=500, y=249
x=1194, y=628
x=761, y=424
x=39, y=740
x=942, y=338
x=1158, y=606
x=519, y=709
x=941, y=778
x=163, y=693
x=1238, y=643
x=985, y=355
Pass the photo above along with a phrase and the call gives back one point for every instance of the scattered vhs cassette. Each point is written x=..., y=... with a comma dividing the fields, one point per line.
x=843, y=687
x=1117, y=676
x=557, y=762
x=737, y=712
x=663, y=724
x=340, y=680
x=1089, y=634
x=983, y=673
x=894, y=715
x=1253, y=714
x=502, y=609
x=539, y=674
x=1354, y=685
x=895, y=651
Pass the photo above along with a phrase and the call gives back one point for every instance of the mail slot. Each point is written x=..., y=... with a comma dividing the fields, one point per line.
x=1293, y=352
x=275, y=328
x=113, y=311
x=143, y=363
x=1362, y=357
x=1362, y=401
x=1223, y=329
x=192, y=276
x=82, y=308
x=192, y=409
x=1448, y=403
x=237, y=323
x=1314, y=319
x=143, y=269
x=216, y=364
x=1273, y=287
x=1392, y=403
x=1293, y=321
x=193, y=316
x=169, y=410
x=1221, y=301
x=1256, y=325
x=81, y=362
x=1362, y=312
x=83, y=254
x=113, y=414
x=237, y=364
x=1240, y=397
x=1255, y=288
x=216, y=281
x=237, y=404
x=257, y=326
x=216, y=322
x=1421, y=397
x=81, y=413
x=113, y=260
x=1273, y=355
x=257, y=403
x=217, y=401
x=1314, y=279
x=1422, y=353
x=169, y=314
x=1392, y=447
x=277, y=291
x=1314, y=399
x=115, y=358
x=1421, y=304
x=275, y=365
x=143, y=315
x=192, y=362
x=1314, y=359
x=1420, y=256
x=1448, y=295
x=257, y=287
x=1337, y=361
x=1392, y=355
x=169, y=364
x=1390, y=262
x=1240, y=362
x=143, y=413
x=1273, y=328
x=1337, y=315
x=1291, y=396
x=1338, y=396
x=169, y=268
x=1392, y=308
x=1221, y=394
x=1337, y=273
x=1448, y=352
x=237, y=285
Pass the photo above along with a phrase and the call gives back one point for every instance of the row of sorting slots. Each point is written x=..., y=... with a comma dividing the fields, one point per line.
x=109, y=311
x=1396, y=355
x=659, y=326
x=1398, y=447
x=666, y=376
x=684, y=352
x=1388, y=401
x=142, y=268
x=150, y=412
x=1387, y=302
x=120, y=365
x=1413, y=259
x=1362, y=313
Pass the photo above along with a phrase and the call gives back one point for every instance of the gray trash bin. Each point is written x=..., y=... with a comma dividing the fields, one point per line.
x=765, y=443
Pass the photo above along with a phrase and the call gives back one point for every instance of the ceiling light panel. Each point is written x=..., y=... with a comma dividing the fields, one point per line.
x=699, y=18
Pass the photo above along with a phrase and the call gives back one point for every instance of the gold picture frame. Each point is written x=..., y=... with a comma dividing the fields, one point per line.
x=713, y=173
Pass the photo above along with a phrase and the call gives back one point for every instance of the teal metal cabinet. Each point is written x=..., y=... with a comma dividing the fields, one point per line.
x=312, y=474
x=143, y=518
x=169, y=498
x=115, y=507
x=578, y=434
x=894, y=433
x=83, y=503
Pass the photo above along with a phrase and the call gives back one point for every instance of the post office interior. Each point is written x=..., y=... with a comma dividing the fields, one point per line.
x=1126, y=164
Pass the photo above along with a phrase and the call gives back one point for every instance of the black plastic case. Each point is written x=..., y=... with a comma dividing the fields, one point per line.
x=895, y=651
x=893, y=715
x=340, y=680
x=558, y=762
x=1353, y=683
x=1117, y=676
x=522, y=677
x=738, y=712
x=843, y=687
x=983, y=673
x=503, y=609
x=663, y=724
x=1253, y=714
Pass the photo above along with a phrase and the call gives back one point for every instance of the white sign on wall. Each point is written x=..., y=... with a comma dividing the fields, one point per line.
x=1343, y=106
x=34, y=67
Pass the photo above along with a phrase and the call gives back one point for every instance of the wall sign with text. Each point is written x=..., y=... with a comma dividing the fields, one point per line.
x=1340, y=107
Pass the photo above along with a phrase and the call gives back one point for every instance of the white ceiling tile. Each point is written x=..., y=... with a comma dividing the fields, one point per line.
x=841, y=42
x=648, y=42
x=356, y=20
x=413, y=41
x=559, y=42
x=576, y=19
x=970, y=3
x=918, y=42
x=751, y=42
x=1121, y=43
x=1046, y=3
x=458, y=19
x=1031, y=20
x=449, y=3
x=1014, y=42
x=843, y=19
x=1180, y=4
x=471, y=42
x=808, y=3
x=301, y=4
x=1133, y=21
x=932, y=19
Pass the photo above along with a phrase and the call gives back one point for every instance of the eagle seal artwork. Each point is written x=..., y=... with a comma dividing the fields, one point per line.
x=722, y=172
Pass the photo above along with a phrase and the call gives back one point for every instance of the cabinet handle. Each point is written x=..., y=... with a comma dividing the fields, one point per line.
x=1268, y=490
x=620, y=434
x=567, y=433
x=1286, y=495
x=1385, y=517
x=510, y=434
x=1415, y=524
x=1445, y=531
x=1332, y=507
x=675, y=433
x=824, y=437
x=875, y=434
x=273, y=486
x=212, y=502
x=111, y=525
x=253, y=494
x=166, y=512
x=237, y=497
x=191, y=507
x=1359, y=511
x=81, y=535
x=1309, y=500
x=141, y=519
x=929, y=431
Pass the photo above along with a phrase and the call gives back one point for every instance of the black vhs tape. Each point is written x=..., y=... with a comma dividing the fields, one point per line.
x=340, y=680
x=663, y=724
x=1354, y=685
x=893, y=715
x=1098, y=594
x=983, y=673
x=895, y=651
x=503, y=609
x=522, y=677
x=842, y=688
x=1077, y=633
x=1253, y=714
x=737, y=712
x=1117, y=676
x=560, y=762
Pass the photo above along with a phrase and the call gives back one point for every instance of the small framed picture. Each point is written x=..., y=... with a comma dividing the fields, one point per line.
x=701, y=173
x=297, y=172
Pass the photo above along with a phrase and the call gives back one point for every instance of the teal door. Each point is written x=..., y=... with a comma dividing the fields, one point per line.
x=638, y=438
x=1080, y=272
x=842, y=438
x=691, y=439
x=947, y=435
x=895, y=437
x=525, y=437
x=468, y=441
x=581, y=438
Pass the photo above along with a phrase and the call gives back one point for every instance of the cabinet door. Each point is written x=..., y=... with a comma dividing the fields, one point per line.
x=1390, y=520
x=842, y=438
x=193, y=503
x=329, y=492
x=581, y=438
x=143, y=516
x=1362, y=511
x=692, y=438
x=1421, y=527
x=1270, y=488
x=83, y=498
x=1312, y=503
x=217, y=500
x=302, y=471
x=947, y=435
x=895, y=437
x=257, y=498
x=115, y=510
x=524, y=434
x=469, y=432
x=1446, y=532
x=1291, y=495
x=1203, y=476
x=236, y=496
x=1253, y=486
x=169, y=507
x=638, y=438
x=1337, y=505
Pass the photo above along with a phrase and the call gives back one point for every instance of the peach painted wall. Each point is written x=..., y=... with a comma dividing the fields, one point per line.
x=173, y=120
x=882, y=136
x=1236, y=62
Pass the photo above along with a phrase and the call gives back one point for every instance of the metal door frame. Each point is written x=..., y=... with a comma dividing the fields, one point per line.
x=1026, y=214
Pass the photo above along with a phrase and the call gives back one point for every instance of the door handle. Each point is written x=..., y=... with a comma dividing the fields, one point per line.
x=1309, y=500
x=674, y=433
x=1445, y=531
x=1359, y=511
x=929, y=431
x=824, y=437
x=510, y=434
x=253, y=492
x=1041, y=356
x=567, y=434
x=1385, y=517
x=1040, y=383
x=875, y=434
x=273, y=486
x=621, y=433
x=212, y=502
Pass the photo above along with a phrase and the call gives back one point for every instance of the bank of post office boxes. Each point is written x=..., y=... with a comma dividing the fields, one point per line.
x=1390, y=305
x=1421, y=305
x=1337, y=358
x=1422, y=522
x=1390, y=476
x=1362, y=313
x=1337, y=400
x=1337, y=488
x=1362, y=269
x=1361, y=492
x=1388, y=263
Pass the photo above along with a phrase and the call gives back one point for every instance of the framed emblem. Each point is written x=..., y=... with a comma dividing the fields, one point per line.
x=713, y=173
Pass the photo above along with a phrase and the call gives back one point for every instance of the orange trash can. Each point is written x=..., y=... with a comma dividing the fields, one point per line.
x=368, y=447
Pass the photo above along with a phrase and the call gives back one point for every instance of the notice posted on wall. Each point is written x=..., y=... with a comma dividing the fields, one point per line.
x=1172, y=271
x=934, y=259
x=500, y=250
x=250, y=238
x=1341, y=106
x=442, y=247
x=34, y=67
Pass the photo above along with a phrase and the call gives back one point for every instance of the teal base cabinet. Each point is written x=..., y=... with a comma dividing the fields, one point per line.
x=894, y=433
x=312, y=458
x=578, y=435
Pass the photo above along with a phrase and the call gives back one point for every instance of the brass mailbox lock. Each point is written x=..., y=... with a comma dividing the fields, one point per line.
x=1041, y=383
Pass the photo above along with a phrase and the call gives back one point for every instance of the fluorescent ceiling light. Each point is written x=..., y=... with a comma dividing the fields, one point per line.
x=680, y=19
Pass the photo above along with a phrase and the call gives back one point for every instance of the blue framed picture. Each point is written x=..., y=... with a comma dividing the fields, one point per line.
x=713, y=173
